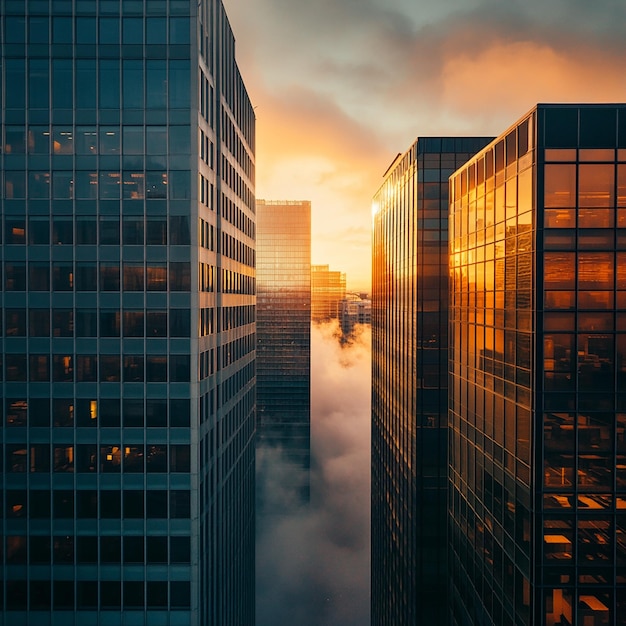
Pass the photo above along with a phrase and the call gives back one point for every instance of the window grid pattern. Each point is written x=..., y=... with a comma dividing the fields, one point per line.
x=409, y=380
x=101, y=415
x=539, y=520
x=283, y=350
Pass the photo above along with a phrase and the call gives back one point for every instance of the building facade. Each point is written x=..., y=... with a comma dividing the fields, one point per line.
x=410, y=383
x=283, y=352
x=328, y=289
x=537, y=373
x=354, y=309
x=127, y=300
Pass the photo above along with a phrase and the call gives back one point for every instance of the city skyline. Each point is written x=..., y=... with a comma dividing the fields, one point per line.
x=131, y=263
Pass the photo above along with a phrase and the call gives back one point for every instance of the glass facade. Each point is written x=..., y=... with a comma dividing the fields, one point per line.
x=537, y=351
x=283, y=353
x=127, y=315
x=328, y=289
x=409, y=382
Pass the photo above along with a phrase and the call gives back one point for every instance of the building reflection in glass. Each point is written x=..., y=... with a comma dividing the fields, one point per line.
x=328, y=289
x=538, y=353
x=410, y=382
x=283, y=353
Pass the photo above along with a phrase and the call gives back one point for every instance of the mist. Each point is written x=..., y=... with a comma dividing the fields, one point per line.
x=313, y=564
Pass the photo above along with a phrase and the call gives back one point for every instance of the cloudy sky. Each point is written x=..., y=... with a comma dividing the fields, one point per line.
x=342, y=86
x=313, y=565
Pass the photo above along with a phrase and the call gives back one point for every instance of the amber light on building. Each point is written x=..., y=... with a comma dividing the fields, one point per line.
x=410, y=383
x=328, y=289
x=283, y=350
x=537, y=494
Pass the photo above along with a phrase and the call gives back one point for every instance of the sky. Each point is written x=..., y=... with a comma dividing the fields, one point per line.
x=313, y=565
x=342, y=86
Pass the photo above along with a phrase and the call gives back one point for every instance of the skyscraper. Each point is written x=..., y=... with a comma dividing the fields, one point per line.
x=283, y=354
x=410, y=384
x=127, y=301
x=328, y=289
x=537, y=374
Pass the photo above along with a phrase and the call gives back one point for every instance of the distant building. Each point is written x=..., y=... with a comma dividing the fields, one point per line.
x=283, y=353
x=127, y=314
x=538, y=373
x=410, y=383
x=354, y=309
x=328, y=289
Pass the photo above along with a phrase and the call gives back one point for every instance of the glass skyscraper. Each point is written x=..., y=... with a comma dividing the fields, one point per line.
x=410, y=383
x=538, y=373
x=328, y=289
x=127, y=301
x=283, y=352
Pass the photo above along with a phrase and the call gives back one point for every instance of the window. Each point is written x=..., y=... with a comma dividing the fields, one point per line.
x=14, y=276
x=133, y=323
x=133, y=276
x=86, y=276
x=109, y=277
x=109, y=414
x=156, y=323
x=156, y=368
x=86, y=323
x=39, y=367
x=133, y=463
x=86, y=368
x=156, y=277
x=156, y=413
x=156, y=459
x=596, y=185
x=16, y=412
x=560, y=186
x=132, y=233
x=133, y=369
x=63, y=231
x=62, y=322
x=15, y=322
x=180, y=276
x=109, y=368
x=62, y=276
x=179, y=458
x=133, y=500
x=180, y=549
x=15, y=231
x=38, y=276
x=63, y=549
x=109, y=323
x=110, y=460
x=62, y=368
x=63, y=504
x=109, y=231
x=63, y=412
x=39, y=322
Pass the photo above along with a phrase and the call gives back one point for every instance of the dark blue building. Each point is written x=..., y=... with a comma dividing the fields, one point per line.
x=127, y=302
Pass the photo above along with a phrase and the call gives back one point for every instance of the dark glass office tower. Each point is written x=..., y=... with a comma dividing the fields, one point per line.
x=127, y=305
x=537, y=362
x=283, y=355
x=409, y=383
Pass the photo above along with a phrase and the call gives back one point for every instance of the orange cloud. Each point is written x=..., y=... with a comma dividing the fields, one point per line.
x=508, y=78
